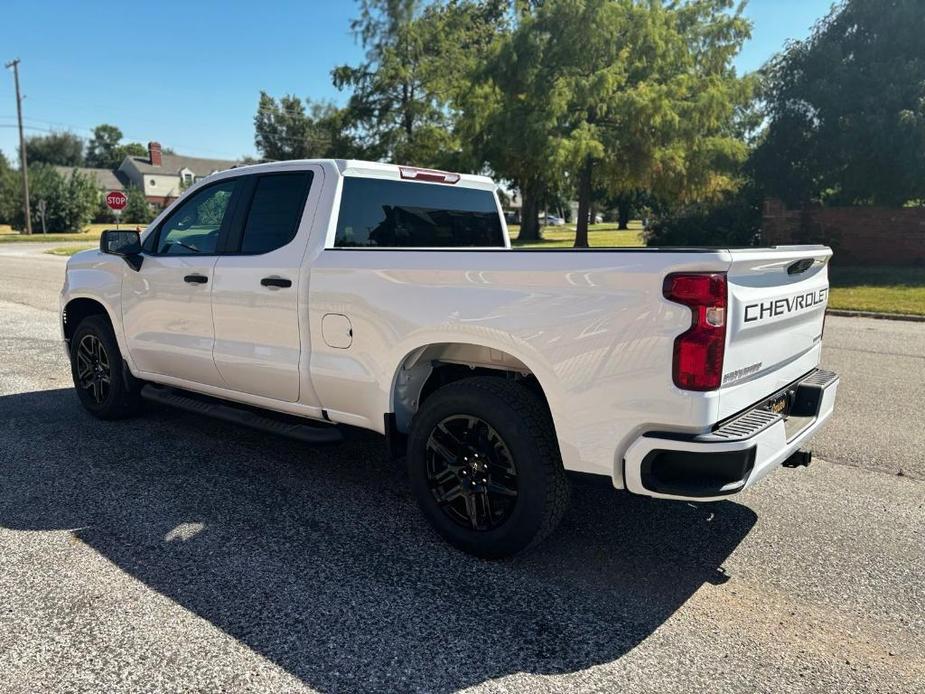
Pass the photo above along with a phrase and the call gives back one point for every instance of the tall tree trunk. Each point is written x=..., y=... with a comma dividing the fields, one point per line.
x=531, y=192
x=407, y=124
x=623, y=215
x=584, y=204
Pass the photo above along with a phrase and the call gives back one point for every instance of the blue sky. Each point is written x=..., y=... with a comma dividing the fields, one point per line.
x=189, y=73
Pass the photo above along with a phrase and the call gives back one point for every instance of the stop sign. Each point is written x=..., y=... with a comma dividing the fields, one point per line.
x=116, y=200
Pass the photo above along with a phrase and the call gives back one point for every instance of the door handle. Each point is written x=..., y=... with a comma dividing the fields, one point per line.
x=195, y=279
x=276, y=282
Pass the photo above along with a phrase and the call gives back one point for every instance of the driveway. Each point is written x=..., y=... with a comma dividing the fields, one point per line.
x=176, y=552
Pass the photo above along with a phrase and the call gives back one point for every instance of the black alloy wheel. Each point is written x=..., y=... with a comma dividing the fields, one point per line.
x=103, y=386
x=471, y=472
x=94, y=368
x=484, y=466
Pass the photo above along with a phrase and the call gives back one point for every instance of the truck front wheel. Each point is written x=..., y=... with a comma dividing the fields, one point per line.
x=96, y=366
x=485, y=466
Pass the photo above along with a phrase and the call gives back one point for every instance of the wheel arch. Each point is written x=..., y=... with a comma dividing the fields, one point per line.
x=79, y=308
x=427, y=367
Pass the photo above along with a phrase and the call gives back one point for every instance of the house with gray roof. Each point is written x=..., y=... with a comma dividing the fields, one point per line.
x=106, y=179
x=163, y=177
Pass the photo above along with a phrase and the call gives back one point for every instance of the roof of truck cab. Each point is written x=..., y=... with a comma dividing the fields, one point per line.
x=376, y=169
x=372, y=169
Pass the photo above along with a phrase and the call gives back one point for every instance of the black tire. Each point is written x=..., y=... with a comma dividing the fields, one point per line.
x=96, y=367
x=474, y=415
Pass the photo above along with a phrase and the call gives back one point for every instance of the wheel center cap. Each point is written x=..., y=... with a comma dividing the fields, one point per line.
x=473, y=471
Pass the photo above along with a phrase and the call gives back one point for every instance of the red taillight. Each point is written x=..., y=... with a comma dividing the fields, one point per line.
x=698, y=352
x=431, y=175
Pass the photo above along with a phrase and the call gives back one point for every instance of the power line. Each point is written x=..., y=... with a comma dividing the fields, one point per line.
x=288, y=140
x=71, y=127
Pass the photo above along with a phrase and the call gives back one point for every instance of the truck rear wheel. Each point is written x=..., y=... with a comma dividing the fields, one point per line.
x=96, y=367
x=485, y=466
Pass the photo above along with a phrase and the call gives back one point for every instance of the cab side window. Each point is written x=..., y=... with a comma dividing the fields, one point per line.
x=384, y=213
x=275, y=211
x=194, y=227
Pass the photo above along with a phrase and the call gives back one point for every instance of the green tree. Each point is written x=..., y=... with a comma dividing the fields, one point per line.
x=10, y=191
x=101, y=147
x=132, y=149
x=846, y=109
x=616, y=96
x=284, y=129
x=508, y=120
x=70, y=200
x=62, y=149
x=643, y=94
x=418, y=60
x=137, y=208
x=104, y=150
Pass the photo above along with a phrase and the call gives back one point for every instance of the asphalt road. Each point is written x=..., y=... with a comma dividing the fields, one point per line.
x=174, y=552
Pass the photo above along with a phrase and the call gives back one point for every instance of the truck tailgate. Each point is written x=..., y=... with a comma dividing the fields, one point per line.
x=776, y=311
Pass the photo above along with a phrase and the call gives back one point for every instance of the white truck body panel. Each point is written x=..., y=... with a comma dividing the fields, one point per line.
x=592, y=326
x=168, y=322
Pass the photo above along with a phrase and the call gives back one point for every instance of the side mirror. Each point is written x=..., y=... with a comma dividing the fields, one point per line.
x=126, y=244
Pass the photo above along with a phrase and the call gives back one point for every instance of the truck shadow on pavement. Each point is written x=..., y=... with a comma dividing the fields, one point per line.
x=317, y=558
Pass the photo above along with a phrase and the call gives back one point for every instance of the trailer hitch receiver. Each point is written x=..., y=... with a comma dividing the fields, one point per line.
x=798, y=459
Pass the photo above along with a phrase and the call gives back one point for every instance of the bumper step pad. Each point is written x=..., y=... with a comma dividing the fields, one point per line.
x=807, y=395
x=742, y=427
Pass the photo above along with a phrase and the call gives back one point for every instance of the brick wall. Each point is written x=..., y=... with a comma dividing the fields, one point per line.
x=858, y=235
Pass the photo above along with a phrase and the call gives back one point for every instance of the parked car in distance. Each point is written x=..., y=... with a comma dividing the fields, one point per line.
x=297, y=296
x=551, y=220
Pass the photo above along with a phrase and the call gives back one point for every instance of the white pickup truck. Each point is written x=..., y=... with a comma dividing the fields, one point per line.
x=298, y=296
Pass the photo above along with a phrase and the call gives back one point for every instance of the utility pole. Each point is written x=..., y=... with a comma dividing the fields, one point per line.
x=23, y=162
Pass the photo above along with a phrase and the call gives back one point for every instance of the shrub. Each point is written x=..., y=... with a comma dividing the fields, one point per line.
x=137, y=208
x=70, y=201
x=734, y=221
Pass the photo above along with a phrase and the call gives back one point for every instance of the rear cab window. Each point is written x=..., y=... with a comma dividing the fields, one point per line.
x=382, y=213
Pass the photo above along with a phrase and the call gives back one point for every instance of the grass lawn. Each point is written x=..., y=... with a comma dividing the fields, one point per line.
x=90, y=233
x=69, y=250
x=880, y=289
x=599, y=236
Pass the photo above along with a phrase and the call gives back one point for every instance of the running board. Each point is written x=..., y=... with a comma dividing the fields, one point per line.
x=270, y=422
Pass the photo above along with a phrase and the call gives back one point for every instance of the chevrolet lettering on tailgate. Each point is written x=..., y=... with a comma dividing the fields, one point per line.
x=780, y=307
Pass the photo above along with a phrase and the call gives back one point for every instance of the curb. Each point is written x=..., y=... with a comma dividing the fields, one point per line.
x=872, y=314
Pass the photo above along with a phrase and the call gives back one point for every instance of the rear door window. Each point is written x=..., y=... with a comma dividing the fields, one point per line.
x=275, y=211
x=394, y=214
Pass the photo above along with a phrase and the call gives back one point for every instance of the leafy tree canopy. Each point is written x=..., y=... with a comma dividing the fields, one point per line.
x=618, y=93
x=10, y=191
x=62, y=149
x=645, y=99
x=104, y=150
x=418, y=59
x=137, y=208
x=284, y=129
x=846, y=109
x=70, y=200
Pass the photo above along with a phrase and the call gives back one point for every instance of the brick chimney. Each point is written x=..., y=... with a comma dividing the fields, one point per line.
x=154, y=153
